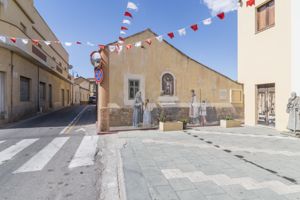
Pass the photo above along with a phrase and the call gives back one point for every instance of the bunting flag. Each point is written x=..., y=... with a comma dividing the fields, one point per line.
x=101, y=46
x=128, y=46
x=194, y=27
x=25, y=41
x=132, y=6
x=78, y=42
x=221, y=15
x=120, y=42
x=13, y=39
x=126, y=21
x=182, y=32
x=207, y=21
x=123, y=28
x=35, y=42
x=138, y=44
x=250, y=3
x=122, y=32
x=149, y=41
x=171, y=35
x=159, y=38
x=121, y=39
x=47, y=43
x=112, y=48
x=119, y=49
x=68, y=44
x=128, y=14
x=90, y=44
x=3, y=39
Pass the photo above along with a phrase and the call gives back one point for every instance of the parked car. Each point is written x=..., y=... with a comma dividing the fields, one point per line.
x=92, y=100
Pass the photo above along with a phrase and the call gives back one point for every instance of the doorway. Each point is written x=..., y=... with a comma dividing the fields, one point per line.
x=50, y=96
x=63, y=97
x=266, y=104
x=2, y=95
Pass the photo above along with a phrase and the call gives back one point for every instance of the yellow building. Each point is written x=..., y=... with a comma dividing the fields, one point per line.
x=148, y=68
x=81, y=91
x=34, y=78
x=268, y=59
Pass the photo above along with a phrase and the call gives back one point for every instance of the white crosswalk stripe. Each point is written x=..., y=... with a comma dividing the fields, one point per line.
x=85, y=153
x=41, y=159
x=2, y=141
x=10, y=152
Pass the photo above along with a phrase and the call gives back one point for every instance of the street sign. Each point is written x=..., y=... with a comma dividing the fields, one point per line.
x=99, y=75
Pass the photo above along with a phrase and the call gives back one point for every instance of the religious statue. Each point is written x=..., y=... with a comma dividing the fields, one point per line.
x=293, y=108
x=147, y=117
x=137, y=110
x=194, y=108
x=168, y=84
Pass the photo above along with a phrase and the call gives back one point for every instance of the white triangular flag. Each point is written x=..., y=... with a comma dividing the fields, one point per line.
x=90, y=44
x=3, y=39
x=47, y=43
x=121, y=42
x=126, y=21
x=138, y=44
x=159, y=38
x=182, y=32
x=207, y=21
x=25, y=41
x=112, y=48
x=122, y=32
x=132, y=6
x=119, y=49
x=68, y=44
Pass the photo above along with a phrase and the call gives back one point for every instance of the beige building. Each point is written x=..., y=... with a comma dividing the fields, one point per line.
x=268, y=59
x=93, y=87
x=81, y=91
x=33, y=78
x=166, y=77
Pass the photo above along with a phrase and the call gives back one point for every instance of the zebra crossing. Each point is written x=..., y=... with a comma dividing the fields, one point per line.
x=83, y=156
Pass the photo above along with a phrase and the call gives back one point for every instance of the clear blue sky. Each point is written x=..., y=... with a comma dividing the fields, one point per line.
x=99, y=21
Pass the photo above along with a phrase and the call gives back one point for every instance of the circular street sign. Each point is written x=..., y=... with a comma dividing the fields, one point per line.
x=99, y=75
x=95, y=58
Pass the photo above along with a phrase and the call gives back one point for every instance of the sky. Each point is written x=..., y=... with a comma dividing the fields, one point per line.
x=99, y=22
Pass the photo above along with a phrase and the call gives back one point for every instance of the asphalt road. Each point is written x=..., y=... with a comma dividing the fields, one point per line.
x=51, y=157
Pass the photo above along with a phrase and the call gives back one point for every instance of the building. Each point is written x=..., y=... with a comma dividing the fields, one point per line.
x=81, y=92
x=34, y=77
x=166, y=76
x=93, y=87
x=268, y=59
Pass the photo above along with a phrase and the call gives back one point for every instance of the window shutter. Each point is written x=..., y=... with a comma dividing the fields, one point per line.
x=271, y=13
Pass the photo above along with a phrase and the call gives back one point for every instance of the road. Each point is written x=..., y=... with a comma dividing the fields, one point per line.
x=51, y=157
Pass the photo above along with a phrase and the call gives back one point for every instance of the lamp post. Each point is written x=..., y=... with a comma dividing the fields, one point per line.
x=98, y=60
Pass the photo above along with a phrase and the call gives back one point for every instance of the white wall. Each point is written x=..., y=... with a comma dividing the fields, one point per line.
x=295, y=23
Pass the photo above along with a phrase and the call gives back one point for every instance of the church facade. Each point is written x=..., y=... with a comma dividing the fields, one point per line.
x=166, y=76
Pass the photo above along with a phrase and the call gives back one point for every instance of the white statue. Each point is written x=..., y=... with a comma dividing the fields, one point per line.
x=293, y=108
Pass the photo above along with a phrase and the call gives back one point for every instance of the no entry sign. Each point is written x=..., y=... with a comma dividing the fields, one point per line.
x=99, y=75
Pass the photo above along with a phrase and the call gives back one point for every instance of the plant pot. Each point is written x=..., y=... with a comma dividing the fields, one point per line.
x=230, y=123
x=170, y=126
x=184, y=125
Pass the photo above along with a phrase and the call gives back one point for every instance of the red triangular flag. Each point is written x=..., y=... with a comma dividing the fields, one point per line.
x=35, y=42
x=128, y=46
x=171, y=35
x=128, y=14
x=250, y=3
x=122, y=39
x=148, y=41
x=221, y=15
x=101, y=46
x=123, y=28
x=194, y=27
x=78, y=42
x=14, y=40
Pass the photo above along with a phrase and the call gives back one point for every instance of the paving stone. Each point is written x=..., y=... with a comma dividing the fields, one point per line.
x=209, y=188
x=156, y=180
x=181, y=184
x=163, y=193
x=220, y=197
x=190, y=195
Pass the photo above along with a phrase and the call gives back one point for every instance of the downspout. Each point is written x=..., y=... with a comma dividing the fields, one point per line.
x=11, y=83
x=38, y=89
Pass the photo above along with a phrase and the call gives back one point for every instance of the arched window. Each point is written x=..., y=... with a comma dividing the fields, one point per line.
x=168, y=84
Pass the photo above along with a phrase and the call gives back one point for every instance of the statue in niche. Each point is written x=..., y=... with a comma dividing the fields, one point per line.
x=293, y=109
x=137, y=110
x=168, y=85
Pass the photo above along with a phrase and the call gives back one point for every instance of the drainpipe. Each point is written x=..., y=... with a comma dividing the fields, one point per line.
x=38, y=88
x=11, y=83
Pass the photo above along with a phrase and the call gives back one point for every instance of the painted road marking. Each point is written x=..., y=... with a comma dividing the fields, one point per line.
x=232, y=148
x=41, y=159
x=10, y=152
x=2, y=141
x=85, y=153
x=224, y=180
x=68, y=128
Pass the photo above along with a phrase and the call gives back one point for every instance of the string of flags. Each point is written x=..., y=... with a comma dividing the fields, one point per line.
x=128, y=16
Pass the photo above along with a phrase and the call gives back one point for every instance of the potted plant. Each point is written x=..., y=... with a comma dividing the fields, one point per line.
x=229, y=122
x=165, y=125
x=184, y=122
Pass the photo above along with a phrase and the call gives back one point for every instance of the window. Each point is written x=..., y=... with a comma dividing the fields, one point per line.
x=168, y=84
x=24, y=89
x=265, y=16
x=42, y=91
x=134, y=87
